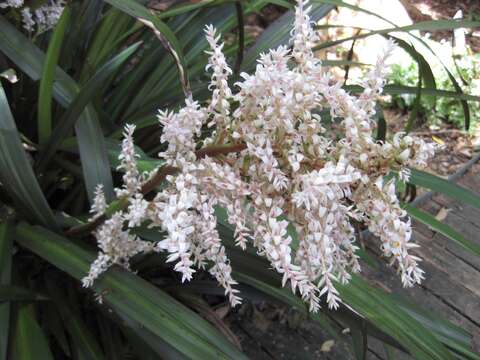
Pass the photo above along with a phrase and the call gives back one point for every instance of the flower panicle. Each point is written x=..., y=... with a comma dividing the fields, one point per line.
x=290, y=191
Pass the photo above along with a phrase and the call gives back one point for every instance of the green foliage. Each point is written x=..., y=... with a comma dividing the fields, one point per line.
x=110, y=63
x=442, y=109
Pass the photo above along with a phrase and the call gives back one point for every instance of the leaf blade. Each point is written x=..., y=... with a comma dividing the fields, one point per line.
x=48, y=75
x=128, y=294
x=6, y=242
x=443, y=229
x=450, y=189
x=16, y=173
x=30, y=341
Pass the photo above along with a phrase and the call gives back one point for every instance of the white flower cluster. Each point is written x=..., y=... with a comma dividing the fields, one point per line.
x=11, y=3
x=290, y=188
x=39, y=19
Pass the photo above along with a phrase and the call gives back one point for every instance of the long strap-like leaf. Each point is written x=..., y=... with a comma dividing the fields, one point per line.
x=16, y=173
x=48, y=76
x=30, y=60
x=128, y=294
x=6, y=241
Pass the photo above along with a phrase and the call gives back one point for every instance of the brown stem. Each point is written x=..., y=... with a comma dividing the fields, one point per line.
x=216, y=150
x=150, y=185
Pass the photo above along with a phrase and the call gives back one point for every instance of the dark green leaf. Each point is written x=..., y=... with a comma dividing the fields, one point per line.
x=423, y=66
x=377, y=307
x=87, y=93
x=381, y=124
x=442, y=228
x=30, y=343
x=401, y=89
x=167, y=36
x=435, y=183
x=416, y=104
x=6, y=241
x=132, y=296
x=17, y=293
x=48, y=75
x=79, y=333
x=359, y=337
x=30, y=59
x=433, y=25
x=16, y=173
x=390, y=318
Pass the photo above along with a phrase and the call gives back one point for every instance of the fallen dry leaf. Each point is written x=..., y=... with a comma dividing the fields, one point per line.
x=442, y=214
x=327, y=346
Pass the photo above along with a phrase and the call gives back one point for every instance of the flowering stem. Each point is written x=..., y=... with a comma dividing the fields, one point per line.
x=149, y=186
x=121, y=203
x=216, y=150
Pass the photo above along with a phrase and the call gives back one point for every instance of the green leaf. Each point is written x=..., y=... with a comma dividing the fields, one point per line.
x=56, y=327
x=389, y=352
x=423, y=66
x=435, y=183
x=385, y=314
x=278, y=33
x=433, y=25
x=114, y=28
x=422, y=63
x=134, y=297
x=394, y=89
x=79, y=332
x=16, y=173
x=86, y=94
x=48, y=75
x=18, y=293
x=453, y=336
x=416, y=104
x=30, y=60
x=327, y=62
x=6, y=241
x=389, y=317
x=30, y=342
x=442, y=228
x=190, y=6
x=381, y=124
x=359, y=338
x=143, y=339
x=458, y=89
x=144, y=162
x=111, y=339
x=169, y=39
x=286, y=297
